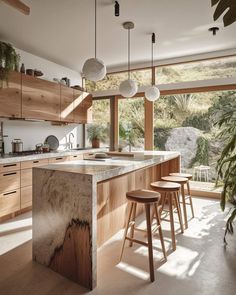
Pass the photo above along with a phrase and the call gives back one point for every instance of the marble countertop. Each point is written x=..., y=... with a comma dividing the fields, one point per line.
x=103, y=169
x=14, y=159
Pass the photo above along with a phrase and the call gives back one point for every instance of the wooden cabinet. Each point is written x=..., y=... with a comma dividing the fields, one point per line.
x=9, y=181
x=59, y=159
x=9, y=167
x=33, y=163
x=10, y=96
x=26, y=197
x=9, y=202
x=76, y=157
x=40, y=99
x=82, y=107
x=67, y=104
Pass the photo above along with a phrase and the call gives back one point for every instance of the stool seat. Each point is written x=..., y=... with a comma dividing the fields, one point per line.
x=185, y=175
x=143, y=196
x=180, y=180
x=165, y=186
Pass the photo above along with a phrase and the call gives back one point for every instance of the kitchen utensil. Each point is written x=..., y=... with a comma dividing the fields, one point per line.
x=39, y=147
x=53, y=142
x=17, y=146
x=46, y=148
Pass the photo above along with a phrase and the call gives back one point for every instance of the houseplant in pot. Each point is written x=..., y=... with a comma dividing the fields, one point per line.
x=96, y=134
x=9, y=60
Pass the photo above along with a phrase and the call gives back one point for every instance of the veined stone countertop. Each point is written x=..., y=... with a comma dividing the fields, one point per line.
x=102, y=169
x=14, y=159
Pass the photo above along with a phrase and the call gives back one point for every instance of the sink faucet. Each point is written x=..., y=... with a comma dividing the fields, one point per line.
x=70, y=143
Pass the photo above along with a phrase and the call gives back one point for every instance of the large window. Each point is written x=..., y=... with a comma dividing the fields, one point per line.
x=112, y=81
x=184, y=123
x=101, y=123
x=131, y=124
x=195, y=71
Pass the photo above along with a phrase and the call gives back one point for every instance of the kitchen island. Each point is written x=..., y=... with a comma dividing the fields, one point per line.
x=79, y=205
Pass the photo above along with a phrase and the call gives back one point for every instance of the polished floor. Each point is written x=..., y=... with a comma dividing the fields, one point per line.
x=201, y=265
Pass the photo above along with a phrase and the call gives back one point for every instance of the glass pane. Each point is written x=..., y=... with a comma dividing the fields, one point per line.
x=184, y=123
x=112, y=81
x=100, y=128
x=195, y=71
x=131, y=124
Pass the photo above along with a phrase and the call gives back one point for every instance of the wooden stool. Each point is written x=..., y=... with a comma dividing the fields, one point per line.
x=171, y=194
x=182, y=181
x=189, y=196
x=147, y=198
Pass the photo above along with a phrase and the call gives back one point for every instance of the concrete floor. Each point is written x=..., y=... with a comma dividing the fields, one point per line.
x=201, y=265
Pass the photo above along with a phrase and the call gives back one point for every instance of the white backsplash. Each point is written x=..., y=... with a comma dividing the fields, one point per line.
x=32, y=133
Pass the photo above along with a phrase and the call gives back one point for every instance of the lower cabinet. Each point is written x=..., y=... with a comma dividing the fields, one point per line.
x=9, y=202
x=26, y=197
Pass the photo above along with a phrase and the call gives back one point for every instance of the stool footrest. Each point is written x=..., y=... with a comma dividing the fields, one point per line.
x=137, y=241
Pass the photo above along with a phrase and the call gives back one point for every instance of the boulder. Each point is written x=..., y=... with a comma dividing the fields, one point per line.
x=184, y=140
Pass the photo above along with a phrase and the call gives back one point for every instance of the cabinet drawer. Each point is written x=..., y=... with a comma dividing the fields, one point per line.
x=58, y=160
x=9, y=167
x=26, y=197
x=34, y=163
x=26, y=177
x=9, y=181
x=76, y=157
x=9, y=202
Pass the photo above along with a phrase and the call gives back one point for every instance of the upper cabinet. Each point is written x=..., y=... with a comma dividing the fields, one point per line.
x=82, y=107
x=10, y=97
x=40, y=99
x=67, y=104
x=28, y=97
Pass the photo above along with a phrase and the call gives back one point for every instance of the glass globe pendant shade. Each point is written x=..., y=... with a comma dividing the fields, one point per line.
x=94, y=69
x=152, y=93
x=128, y=88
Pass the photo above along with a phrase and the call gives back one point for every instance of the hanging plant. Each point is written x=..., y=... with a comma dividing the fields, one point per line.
x=228, y=6
x=9, y=60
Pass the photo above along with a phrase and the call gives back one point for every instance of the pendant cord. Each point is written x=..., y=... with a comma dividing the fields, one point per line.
x=152, y=64
x=95, y=28
x=129, y=54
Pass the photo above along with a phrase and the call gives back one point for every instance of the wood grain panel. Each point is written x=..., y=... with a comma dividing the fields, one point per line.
x=9, y=202
x=67, y=105
x=40, y=99
x=9, y=167
x=26, y=177
x=9, y=181
x=77, y=268
x=82, y=107
x=111, y=197
x=10, y=96
x=26, y=197
x=33, y=163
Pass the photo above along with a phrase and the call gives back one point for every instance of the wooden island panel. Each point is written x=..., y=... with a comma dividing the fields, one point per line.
x=111, y=197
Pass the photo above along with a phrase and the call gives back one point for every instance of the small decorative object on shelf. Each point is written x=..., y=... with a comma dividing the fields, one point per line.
x=30, y=72
x=38, y=73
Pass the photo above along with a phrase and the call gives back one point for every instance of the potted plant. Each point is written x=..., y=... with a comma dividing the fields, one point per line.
x=226, y=165
x=96, y=134
x=9, y=60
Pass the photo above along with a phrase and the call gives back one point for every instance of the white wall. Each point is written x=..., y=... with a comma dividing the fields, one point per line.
x=30, y=132
x=50, y=69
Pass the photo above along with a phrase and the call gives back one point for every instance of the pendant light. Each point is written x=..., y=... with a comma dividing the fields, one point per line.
x=128, y=88
x=152, y=93
x=94, y=69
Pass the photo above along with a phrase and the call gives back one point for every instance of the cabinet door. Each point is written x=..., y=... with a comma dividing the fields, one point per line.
x=10, y=96
x=40, y=99
x=9, y=202
x=82, y=107
x=67, y=105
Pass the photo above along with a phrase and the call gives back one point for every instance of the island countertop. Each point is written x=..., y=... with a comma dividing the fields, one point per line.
x=102, y=169
x=79, y=205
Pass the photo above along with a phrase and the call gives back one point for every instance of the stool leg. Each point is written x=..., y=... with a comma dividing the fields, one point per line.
x=132, y=226
x=126, y=230
x=176, y=197
x=172, y=225
x=190, y=198
x=160, y=230
x=184, y=206
x=149, y=235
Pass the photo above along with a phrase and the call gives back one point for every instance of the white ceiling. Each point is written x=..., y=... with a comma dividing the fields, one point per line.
x=63, y=31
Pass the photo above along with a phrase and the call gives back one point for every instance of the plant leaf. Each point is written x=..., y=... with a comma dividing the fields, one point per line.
x=228, y=6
